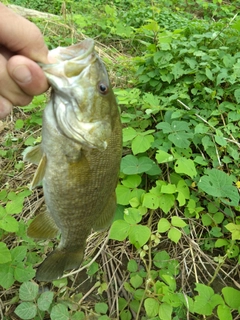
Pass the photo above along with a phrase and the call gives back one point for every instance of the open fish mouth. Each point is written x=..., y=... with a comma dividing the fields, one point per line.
x=70, y=61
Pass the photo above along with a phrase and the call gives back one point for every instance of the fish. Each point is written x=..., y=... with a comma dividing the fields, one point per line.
x=78, y=158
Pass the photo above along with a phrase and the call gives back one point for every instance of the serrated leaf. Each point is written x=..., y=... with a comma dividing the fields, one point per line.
x=139, y=235
x=19, y=253
x=178, y=222
x=174, y=235
x=28, y=291
x=45, y=300
x=59, y=312
x=119, y=230
x=23, y=273
x=5, y=255
x=218, y=184
x=185, y=166
x=26, y=310
x=151, y=306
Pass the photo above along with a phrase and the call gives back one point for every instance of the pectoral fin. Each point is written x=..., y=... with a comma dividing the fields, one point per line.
x=33, y=154
x=42, y=227
x=39, y=174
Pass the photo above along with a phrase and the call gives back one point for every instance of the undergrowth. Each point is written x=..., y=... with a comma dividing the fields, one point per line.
x=173, y=251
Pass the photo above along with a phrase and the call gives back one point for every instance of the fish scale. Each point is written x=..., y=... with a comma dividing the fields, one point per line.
x=79, y=156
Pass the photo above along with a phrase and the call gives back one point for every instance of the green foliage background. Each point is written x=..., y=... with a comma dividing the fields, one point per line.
x=175, y=72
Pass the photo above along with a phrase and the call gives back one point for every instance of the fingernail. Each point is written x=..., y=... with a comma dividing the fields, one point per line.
x=22, y=74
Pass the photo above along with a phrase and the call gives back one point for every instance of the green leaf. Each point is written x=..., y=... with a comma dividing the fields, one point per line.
x=132, y=215
x=169, y=188
x=237, y=95
x=206, y=301
x=185, y=166
x=166, y=202
x=101, y=307
x=174, y=235
x=45, y=300
x=128, y=134
x=224, y=312
x=136, y=281
x=23, y=273
x=19, y=253
x=232, y=297
x=180, y=139
x=139, y=235
x=151, y=306
x=119, y=230
x=132, y=266
x=5, y=255
x=141, y=143
x=163, y=225
x=163, y=157
x=123, y=194
x=218, y=184
x=59, y=312
x=234, y=229
x=161, y=259
x=93, y=268
x=26, y=310
x=209, y=74
x=183, y=192
x=132, y=181
x=165, y=311
x=178, y=222
x=133, y=165
x=6, y=275
x=9, y=224
x=28, y=291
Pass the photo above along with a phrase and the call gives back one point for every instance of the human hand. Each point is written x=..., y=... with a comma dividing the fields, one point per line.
x=21, y=43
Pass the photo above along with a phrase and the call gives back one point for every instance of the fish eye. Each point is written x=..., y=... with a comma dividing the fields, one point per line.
x=103, y=88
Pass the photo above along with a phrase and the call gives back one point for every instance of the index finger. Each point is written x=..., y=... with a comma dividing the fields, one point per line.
x=21, y=36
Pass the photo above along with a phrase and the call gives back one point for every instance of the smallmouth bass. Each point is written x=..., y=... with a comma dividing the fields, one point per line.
x=78, y=158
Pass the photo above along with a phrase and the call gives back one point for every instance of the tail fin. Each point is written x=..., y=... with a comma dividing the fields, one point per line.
x=57, y=262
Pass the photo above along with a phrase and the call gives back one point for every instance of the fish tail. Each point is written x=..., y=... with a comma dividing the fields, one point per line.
x=57, y=262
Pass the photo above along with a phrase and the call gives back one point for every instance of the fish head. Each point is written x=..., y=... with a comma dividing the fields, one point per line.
x=82, y=98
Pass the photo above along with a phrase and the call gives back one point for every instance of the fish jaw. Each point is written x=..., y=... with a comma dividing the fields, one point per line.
x=82, y=111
